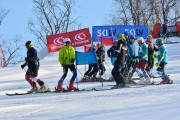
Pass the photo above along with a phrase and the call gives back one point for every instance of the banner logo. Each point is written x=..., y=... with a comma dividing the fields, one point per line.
x=57, y=41
x=80, y=37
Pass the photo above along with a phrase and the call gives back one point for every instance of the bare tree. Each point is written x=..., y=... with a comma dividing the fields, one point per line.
x=3, y=14
x=11, y=47
x=146, y=12
x=53, y=16
x=12, y=50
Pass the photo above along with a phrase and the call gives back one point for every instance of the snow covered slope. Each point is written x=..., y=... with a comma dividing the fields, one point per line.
x=161, y=102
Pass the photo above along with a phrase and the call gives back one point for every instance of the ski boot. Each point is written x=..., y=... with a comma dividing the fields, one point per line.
x=72, y=87
x=34, y=88
x=43, y=89
x=116, y=86
x=148, y=81
x=166, y=80
x=84, y=78
x=59, y=88
x=141, y=81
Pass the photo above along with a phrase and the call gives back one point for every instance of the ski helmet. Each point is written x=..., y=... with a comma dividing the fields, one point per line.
x=121, y=37
x=29, y=44
x=131, y=36
x=159, y=41
x=93, y=45
x=66, y=40
x=140, y=40
x=149, y=37
x=102, y=46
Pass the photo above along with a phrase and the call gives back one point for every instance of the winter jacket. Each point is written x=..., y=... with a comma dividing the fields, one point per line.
x=162, y=54
x=111, y=52
x=32, y=58
x=131, y=50
x=122, y=49
x=66, y=55
x=151, y=49
x=100, y=54
x=143, y=52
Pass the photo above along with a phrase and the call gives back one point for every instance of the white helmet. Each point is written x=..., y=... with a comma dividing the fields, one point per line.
x=93, y=45
x=66, y=39
x=140, y=40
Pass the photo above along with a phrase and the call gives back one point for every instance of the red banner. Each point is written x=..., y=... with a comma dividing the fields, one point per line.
x=108, y=41
x=78, y=38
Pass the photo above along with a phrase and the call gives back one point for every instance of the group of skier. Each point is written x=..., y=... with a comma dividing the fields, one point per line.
x=123, y=58
x=126, y=62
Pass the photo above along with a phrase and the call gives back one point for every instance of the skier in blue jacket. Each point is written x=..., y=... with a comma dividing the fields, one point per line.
x=162, y=61
x=131, y=58
x=143, y=58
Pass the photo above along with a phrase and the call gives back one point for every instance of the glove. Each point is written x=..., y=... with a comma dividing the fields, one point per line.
x=22, y=66
x=63, y=65
x=26, y=59
x=72, y=61
x=157, y=65
x=154, y=56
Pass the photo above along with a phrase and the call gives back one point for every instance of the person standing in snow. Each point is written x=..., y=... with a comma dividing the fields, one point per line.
x=93, y=68
x=131, y=60
x=151, y=55
x=162, y=61
x=32, y=61
x=67, y=59
x=118, y=64
x=143, y=58
x=101, y=58
x=165, y=29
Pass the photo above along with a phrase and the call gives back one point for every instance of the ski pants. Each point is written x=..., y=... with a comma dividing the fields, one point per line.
x=118, y=77
x=32, y=70
x=65, y=71
x=89, y=69
x=150, y=64
x=94, y=71
x=161, y=71
x=101, y=67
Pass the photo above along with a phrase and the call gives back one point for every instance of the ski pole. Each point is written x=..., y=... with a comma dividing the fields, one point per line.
x=24, y=69
x=108, y=65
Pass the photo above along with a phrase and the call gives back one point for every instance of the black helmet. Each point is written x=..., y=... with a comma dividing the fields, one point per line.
x=28, y=44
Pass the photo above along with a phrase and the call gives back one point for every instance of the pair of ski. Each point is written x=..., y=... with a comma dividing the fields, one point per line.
x=121, y=87
x=65, y=91
x=79, y=90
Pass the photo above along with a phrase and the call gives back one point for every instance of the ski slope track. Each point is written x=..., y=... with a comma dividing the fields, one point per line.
x=153, y=102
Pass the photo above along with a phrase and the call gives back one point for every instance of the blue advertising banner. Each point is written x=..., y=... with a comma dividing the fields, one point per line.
x=115, y=30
